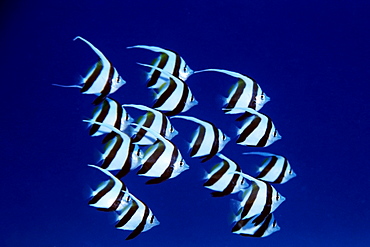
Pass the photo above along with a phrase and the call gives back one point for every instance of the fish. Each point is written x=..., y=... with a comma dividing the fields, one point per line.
x=112, y=113
x=258, y=130
x=246, y=93
x=259, y=199
x=174, y=97
x=111, y=195
x=137, y=217
x=103, y=79
x=161, y=160
x=207, y=141
x=274, y=169
x=121, y=153
x=156, y=121
x=223, y=180
x=248, y=229
x=168, y=61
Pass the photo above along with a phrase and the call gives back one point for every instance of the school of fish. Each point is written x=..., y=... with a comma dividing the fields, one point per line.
x=145, y=143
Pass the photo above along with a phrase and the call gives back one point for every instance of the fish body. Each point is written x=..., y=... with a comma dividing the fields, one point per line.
x=154, y=120
x=259, y=199
x=258, y=130
x=168, y=61
x=112, y=113
x=161, y=160
x=274, y=169
x=247, y=228
x=223, y=178
x=207, y=141
x=137, y=217
x=111, y=195
x=121, y=153
x=246, y=93
x=173, y=97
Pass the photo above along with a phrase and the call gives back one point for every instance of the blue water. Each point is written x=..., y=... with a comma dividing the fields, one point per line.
x=311, y=58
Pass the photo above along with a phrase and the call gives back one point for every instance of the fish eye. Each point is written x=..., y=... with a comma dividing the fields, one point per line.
x=185, y=68
x=138, y=152
x=274, y=224
x=290, y=171
x=181, y=163
x=262, y=96
x=128, y=199
x=172, y=129
x=192, y=98
x=277, y=197
x=127, y=116
x=242, y=182
x=223, y=137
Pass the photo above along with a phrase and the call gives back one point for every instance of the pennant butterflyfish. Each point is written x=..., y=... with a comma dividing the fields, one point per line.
x=110, y=195
x=137, y=217
x=161, y=160
x=168, y=61
x=103, y=79
x=112, y=113
x=274, y=169
x=246, y=93
x=258, y=130
x=247, y=228
x=259, y=199
x=120, y=153
x=223, y=178
x=173, y=97
x=154, y=120
x=207, y=140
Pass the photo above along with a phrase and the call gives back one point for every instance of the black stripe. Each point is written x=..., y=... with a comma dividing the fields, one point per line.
x=152, y=159
x=249, y=129
x=182, y=102
x=263, y=141
x=156, y=73
x=117, y=123
x=217, y=175
x=262, y=229
x=267, y=207
x=268, y=167
x=113, y=152
x=107, y=87
x=244, y=116
x=149, y=118
x=240, y=224
x=176, y=69
x=215, y=145
x=102, y=192
x=141, y=226
x=134, y=207
x=252, y=104
x=104, y=110
x=128, y=162
x=236, y=96
x=115, y=204
x=282, y=173
x=198, y=141
x=92, y=78
x=168, y=172
x=165, y=95
x=164, y=125
x=251, y=200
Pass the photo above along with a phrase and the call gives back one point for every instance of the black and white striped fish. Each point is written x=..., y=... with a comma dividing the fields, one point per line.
x=112, y=113
x=103, y=79
x=121, y=154
x=156, y=121
x=259, y=199
x=207, y=140
x=136, y=217
x=111, y=195
x=170, y=62
x=247, y=228
x=173, y=97
x=274, y=169
x=246, y=93
x=223, y=178
x=161, y=160
x=258, y=130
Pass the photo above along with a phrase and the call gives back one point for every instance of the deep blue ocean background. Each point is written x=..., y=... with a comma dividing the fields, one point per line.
x=312, y=58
